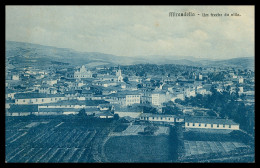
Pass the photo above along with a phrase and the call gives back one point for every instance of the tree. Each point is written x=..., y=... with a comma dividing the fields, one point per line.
x=116, y=117
x=172, y=110
x=125, y=79
x=149, y=109
x=179, y=101
x=139, y=85
x=82, y=113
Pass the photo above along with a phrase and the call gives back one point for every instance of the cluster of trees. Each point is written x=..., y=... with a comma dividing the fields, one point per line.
x=226, y=105
x=171, y=108
x=153, y=69
x=217, y=76
x=148, y=109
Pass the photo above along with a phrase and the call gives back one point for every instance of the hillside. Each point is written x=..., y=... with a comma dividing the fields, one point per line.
x=25, y=54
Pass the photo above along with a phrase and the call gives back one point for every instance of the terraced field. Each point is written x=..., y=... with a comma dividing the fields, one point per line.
x=138, y=148
x=212, y=145
x=202, y=147
x=54, y=141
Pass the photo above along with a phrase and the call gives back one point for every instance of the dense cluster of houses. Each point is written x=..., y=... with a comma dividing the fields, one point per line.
x=67, y=91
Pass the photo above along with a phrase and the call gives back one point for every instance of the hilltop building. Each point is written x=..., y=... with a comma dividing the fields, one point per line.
x=82, y=73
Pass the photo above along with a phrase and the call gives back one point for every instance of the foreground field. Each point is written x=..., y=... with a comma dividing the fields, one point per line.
x=216, y=147
x=202, y=147
x=55, y=140
x=138, y=148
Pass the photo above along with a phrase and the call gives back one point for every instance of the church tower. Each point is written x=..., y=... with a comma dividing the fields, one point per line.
x=119, y=75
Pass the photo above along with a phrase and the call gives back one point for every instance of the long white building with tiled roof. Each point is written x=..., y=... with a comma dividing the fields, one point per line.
x=208, y=123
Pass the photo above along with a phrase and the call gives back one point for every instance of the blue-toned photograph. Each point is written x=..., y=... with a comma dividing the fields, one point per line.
x=130, y=84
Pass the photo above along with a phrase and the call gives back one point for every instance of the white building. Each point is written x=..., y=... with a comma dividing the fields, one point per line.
x=240, y=80
x=160, y=118
x=128, y=112
x=51, y=82
x=158, y=98
x=190, y=92
x=178, y=96
x=124, y=98
x=15, y=77
x=132, y=99
x=119, y=75
x=37, y=98
x=82, y=73
x=207, y=123
x=200, y=76
x=241, y=89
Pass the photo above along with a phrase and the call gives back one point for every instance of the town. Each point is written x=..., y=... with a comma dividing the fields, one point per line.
x=213, y=104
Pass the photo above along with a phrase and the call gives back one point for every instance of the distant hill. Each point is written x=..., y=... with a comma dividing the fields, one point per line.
x=21, y=53
x=27, y=53
x=246, y=62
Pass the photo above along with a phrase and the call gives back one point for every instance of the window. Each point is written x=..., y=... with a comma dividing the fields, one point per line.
x=217, y=125
x=193, y=124
x=188, y=124
x=211, y=125
x=169, y=118
x=153, y=118
x=23, y=100
x=42, y=100
x=199, y=124
x=205, y=125
x=161, y=118
x=229, y=126
x=223, y=125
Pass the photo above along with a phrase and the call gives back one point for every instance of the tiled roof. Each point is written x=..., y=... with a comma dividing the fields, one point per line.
x=66, y=102
x=104, y=114
x=59, y=110
x=23, y=108
x=156, y=115
x=209, y=120
x=35, y=95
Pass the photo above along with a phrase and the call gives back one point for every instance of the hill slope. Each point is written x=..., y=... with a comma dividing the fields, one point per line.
x=33, y=54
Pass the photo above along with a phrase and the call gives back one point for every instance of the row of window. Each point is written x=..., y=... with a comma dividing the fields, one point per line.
x=147, y=118
x=42, y=100
x=67, y=105
x=133, y=96
x=205, y=125
x=133, y=100
x=81, y=76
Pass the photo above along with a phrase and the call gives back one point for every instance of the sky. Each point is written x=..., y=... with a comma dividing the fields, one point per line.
x=136, y=30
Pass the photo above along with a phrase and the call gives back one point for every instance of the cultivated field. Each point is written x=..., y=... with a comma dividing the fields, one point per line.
x=138, y=148
x=218, y=146
x=134, y=129
x=53, y=140
x=202, y=147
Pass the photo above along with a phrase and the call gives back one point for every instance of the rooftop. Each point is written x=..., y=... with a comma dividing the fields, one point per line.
x=35, y=95
x=23, y=108
x=156, y=115
x=209, y=120
x=66, y=102
x=59, y=110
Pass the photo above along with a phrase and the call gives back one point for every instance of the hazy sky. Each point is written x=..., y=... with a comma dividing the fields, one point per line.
x=136, y=30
